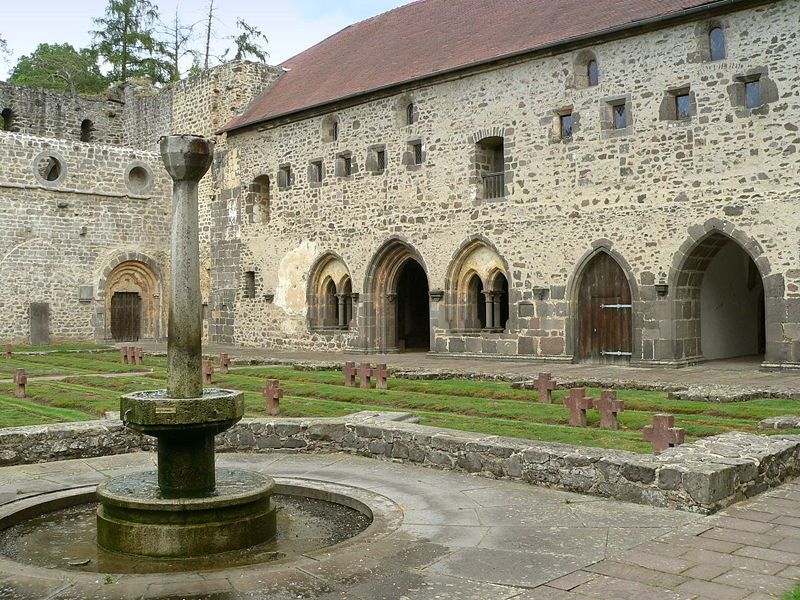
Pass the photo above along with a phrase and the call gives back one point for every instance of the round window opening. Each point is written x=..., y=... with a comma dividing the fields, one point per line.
x=49, y=168
x=139, y=179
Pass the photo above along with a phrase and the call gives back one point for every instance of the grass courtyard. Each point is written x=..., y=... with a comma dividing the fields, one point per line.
x=87, y=392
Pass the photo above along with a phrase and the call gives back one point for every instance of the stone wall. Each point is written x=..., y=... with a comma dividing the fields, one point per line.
x=53, y=114
x=647, y=194
x=69, y=212
x=702, y=477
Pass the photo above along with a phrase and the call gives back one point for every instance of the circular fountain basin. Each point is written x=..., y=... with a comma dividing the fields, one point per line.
x=154, y=413
x=134, y=517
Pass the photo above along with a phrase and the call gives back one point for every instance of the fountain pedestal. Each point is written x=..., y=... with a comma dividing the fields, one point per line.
x=185, y=508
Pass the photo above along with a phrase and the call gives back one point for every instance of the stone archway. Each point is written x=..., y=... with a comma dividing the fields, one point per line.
x=132, y=302
x=719, y=301
x=397, y=302
x=330, y=294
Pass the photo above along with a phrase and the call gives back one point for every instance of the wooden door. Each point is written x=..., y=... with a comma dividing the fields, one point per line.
x=126, y=316
x=604, y=312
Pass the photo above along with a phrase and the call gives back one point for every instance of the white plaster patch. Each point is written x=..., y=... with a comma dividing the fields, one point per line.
x=293, y=272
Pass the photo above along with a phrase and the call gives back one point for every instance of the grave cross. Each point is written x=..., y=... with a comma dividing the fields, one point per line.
x=123, y=355
x=663, y=434
x=609, y=406
x=364, y=374
x=545, y=384
x=138, y=356
x=273, y=394
x=578, y=403
x=9, y=350
x=349, y=372
x=381, y=374
x=20, y=381
x=208, y=371
x=224, y=363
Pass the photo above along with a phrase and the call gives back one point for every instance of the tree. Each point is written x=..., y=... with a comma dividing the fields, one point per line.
x=60, y=67
x=249, y=42
x=178, y=37
x=4, y=52
x=125, y=39
x=209, y=28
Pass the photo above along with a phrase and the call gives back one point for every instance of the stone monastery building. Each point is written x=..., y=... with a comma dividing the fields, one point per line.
x=608, y=181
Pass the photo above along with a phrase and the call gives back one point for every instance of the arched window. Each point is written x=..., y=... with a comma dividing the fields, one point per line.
x=490, y=166
x=476, y=301
x=7, y=116
x=330, y=128
x=716, y=40
x=87, y=130
x=500, y=289
x=331, y=305
x=410, y=114
x=592, y=73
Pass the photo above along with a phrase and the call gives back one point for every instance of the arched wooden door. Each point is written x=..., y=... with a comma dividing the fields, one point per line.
x=126, y=316
x=604, y=312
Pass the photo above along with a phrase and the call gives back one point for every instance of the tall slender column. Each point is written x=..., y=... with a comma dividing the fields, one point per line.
x=496, y=298
x=186, y=158
x=342, y=311
x=489, y=310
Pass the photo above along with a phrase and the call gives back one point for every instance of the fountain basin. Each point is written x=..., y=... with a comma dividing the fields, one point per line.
x=135, y=518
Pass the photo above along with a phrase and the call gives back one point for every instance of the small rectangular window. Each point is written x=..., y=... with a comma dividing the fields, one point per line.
x=249, y=284
x=620, y=116
x=316, y=171
x=348, y=166
x=417, y=153
x=566, y=125
x=683, y=106
x=285, y=176
x=381, y=157
x=752, y=93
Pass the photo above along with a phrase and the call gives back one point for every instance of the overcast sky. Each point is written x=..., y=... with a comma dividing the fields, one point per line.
x=290, y=25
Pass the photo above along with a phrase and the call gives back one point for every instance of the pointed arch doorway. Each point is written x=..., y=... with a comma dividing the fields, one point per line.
x=605, y=308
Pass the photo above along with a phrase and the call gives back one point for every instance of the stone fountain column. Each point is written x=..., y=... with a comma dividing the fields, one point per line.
x=185, y=508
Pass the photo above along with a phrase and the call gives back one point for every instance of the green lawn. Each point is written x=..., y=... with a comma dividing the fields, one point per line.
x=793, y=595
x=486, y=407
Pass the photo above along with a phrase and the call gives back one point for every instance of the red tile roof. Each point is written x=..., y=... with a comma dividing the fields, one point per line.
x=428, y=37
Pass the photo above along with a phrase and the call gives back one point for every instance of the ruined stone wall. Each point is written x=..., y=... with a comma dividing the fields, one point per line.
x=645, y=193
x=53, y=114
x=62, y=231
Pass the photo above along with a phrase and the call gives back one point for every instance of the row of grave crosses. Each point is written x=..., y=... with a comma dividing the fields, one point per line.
x=130, y=355
x=662, y=433
x=365, y=372
x=208, y=368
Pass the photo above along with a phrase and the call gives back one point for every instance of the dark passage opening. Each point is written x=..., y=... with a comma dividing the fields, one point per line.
x=413, y=312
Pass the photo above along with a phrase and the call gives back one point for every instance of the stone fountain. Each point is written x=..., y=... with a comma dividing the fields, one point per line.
x=187, y=507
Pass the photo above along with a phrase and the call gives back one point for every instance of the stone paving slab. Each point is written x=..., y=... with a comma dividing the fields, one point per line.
x=466, y=538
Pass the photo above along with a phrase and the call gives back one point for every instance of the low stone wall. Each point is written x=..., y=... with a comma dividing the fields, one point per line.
x=701, y=477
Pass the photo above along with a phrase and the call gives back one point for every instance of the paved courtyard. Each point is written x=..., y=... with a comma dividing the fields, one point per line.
x=462, y=537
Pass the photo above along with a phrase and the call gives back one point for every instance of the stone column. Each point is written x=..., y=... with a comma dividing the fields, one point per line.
x=342, y=311
x=186, y=158
x=496, y=298
x=489, y=309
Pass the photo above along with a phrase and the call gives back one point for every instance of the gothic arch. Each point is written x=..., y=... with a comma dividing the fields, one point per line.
x=132, y=274
x=473, y=304
x=720, y=285
x=624, y=329
x=396, y=305
x=329, y=294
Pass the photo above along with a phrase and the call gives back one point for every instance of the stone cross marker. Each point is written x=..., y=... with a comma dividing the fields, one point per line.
x=123, y=355
x=20, y=381
x=609, y=407
x=545, y=384
x=9, y=350
x=349, y=372
x=138, y=356
x=273, y=394
x=663, y=434
x=578, y=403
x=364, y=374
x=381, y=374
x=208, y=371
x=224, y=363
